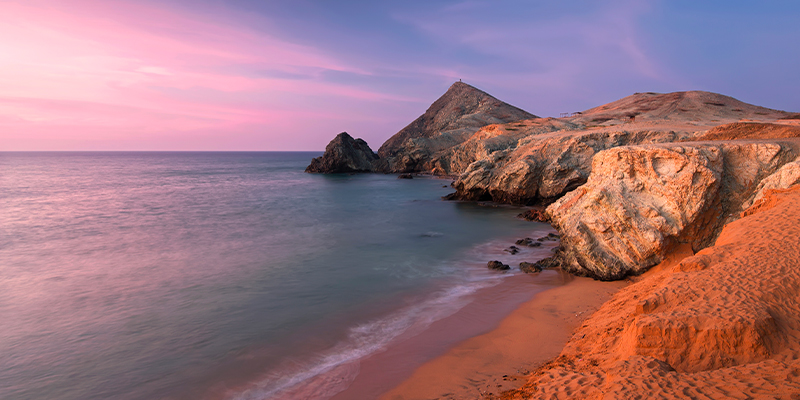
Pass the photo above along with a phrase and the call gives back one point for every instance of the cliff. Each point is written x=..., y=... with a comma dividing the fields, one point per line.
x=541, y=167
x=628, y=180
x=722, y=324
x=641, y=201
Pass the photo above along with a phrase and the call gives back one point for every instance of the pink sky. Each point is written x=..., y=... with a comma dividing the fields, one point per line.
x=91, y=76
x=262, y=75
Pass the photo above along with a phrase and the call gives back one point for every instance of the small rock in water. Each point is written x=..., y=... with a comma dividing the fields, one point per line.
x=451, y=196
x=528, y=242
x=533, y=215
x=529, y=268
x=513, y=250
x=549, y=262
x=432, y=234
x=497, y=265
x=405, y=176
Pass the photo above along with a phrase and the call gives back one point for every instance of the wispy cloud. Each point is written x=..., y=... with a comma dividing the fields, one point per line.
x=137, y=66
x=566, y=47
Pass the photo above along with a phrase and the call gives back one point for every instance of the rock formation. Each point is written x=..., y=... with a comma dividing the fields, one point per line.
x=542, y=168
x=787, y=176
x=691, y=106
x=345, y=154
x=722, y=324
x=640, y=201
x=450, y=120
x=627, y=180
x=529, y=268
x=497, y=265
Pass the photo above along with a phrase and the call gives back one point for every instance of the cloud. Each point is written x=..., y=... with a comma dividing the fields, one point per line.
x=118, y=65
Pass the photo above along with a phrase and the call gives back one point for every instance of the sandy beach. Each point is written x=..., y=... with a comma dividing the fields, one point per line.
x=501, y=359
x=720, y=324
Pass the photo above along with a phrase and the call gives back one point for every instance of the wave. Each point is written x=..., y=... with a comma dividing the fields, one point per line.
x=333, y=371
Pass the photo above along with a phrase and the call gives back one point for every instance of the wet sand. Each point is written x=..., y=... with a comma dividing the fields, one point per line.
x=500, y=359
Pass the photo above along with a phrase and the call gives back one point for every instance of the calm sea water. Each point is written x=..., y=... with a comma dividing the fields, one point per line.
x=221, y=275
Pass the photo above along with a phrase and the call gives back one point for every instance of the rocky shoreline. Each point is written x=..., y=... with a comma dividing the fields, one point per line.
x=625, y=184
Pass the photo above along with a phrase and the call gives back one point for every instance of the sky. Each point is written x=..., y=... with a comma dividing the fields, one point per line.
x=264, y=75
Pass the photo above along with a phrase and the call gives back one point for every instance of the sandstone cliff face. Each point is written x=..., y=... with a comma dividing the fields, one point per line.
x=450, y=120
x=344, y=154
x=543, y=167
x=639, y=201
x=490, y=139
x=722, y=324
x=785, y=177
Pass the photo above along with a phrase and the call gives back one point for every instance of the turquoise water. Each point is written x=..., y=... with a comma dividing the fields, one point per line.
x=221, y=275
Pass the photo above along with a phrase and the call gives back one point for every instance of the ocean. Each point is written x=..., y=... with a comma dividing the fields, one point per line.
x=233, y=275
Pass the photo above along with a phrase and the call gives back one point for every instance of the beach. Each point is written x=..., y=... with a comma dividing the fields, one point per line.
x=501, y=359
x=718, y=324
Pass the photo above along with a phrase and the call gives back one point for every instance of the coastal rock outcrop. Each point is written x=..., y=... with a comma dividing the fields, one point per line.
x=345, y=154
x=640, y=201
x=544, y=167
x=529, y=268
x=449, y=121
x=534, y=214
x=540, y=167
x=720, y=324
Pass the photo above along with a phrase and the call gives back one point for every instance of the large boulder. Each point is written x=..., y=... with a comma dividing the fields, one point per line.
x=640, y=201
x=345, y=154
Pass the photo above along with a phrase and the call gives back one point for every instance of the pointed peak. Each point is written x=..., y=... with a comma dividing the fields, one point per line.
x=461, y=86
x=461, y=107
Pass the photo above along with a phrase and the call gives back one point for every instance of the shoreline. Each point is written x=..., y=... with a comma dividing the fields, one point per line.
x=527, y=339
x=499, y=360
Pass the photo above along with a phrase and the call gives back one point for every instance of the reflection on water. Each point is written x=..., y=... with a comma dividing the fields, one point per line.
x=150, y=275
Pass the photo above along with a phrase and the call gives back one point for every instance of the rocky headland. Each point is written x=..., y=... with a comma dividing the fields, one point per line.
x=626, y=184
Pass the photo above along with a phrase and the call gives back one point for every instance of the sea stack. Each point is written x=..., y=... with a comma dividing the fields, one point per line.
x=432, y=142
x=344, y=154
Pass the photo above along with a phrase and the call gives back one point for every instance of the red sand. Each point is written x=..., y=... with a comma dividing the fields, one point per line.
x=721, y=324
x=499, y=360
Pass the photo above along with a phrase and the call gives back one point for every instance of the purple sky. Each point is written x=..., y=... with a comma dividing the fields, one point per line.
x=290, y=75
